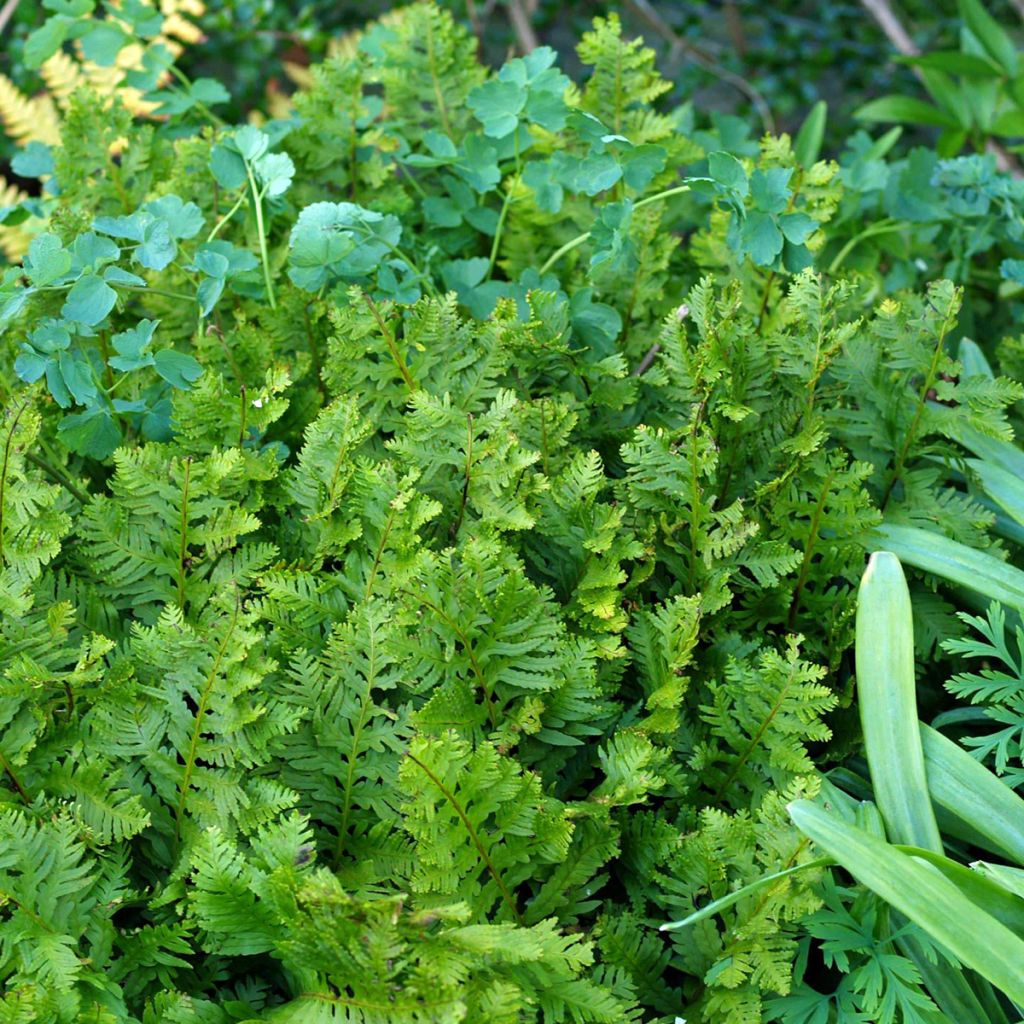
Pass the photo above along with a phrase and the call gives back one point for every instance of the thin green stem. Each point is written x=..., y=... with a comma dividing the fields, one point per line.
x=227, y=216
x=883, y=227
x=199, y=104
x=58, y=477
x=257, y=200
x=576, y=242
x=497, y=231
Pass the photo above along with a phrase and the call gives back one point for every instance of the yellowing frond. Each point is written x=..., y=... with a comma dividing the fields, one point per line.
x=13, y=240
x=27, y=118
x=62, y=76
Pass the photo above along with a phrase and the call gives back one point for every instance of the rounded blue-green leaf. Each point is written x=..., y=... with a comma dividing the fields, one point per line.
x=177, y=368
x=89, y=301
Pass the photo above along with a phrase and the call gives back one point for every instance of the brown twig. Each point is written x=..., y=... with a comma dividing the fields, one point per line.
x=679, y=46
x=521, y=25
x=7, y=12
x=648, y=360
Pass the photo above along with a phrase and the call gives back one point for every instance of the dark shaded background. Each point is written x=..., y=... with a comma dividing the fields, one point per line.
x=790, y=52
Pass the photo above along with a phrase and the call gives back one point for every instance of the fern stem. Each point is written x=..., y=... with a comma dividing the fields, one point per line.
x=13, y=776
x=3, y=473
x=380, y=554
x=812, y=538
x=389, y=340
x=481, y=849
x=242, y=410
x=470, y=653
x=457, y=525
x=183, y=534
x=755, y=740
x=197, y=728
x=922, y=397
x=76, y=492
x=257, y=200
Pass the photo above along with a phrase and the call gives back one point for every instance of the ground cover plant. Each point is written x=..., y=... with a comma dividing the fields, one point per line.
x=431, y=525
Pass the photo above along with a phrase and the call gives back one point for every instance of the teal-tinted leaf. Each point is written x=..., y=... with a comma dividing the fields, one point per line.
x=250, y=142
x=497, y=106
x=478, y=166
x=397, y=283
x=208, y=293
x=593, y=174
x=769, y=189
x=116, y=275
x=72, y=8
x=339, y=240
x=13, y=305
x=540, y=177
x=34, y=161
x=55, y=384
x=209, y=91
x=441, y=211
x=158, y=248
x=143, y=16
x=91, y=251
x=103, y=42
x=274, y=171
x=30, y=366
x=177, y=368
x=797, y=227
x=596, y=323
x=156, y=423
x=131, y=346
x=155, y=62
x=228, y=167
x=728, y=172
x=51, y=336
x=1012, y=270
x=185, y=219
x=461, y=275
x=78, y=378
x=613, y=247
x=211, y=263
x=132, y=227
x=440, y=146
x=89, y=301
x=641, y=164
x=547, y=109
x=236, y=260
x=47, y=260
x=46, y=40
x=796, y=258
x=761, y=238
x=93, y=433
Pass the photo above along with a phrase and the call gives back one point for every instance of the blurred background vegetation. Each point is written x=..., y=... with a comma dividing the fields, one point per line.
x=764, y=62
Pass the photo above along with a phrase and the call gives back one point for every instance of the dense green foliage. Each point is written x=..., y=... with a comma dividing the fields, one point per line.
x=430, y=527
